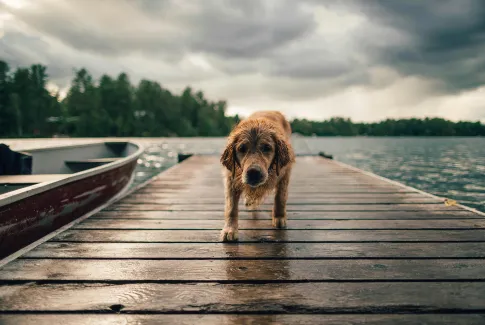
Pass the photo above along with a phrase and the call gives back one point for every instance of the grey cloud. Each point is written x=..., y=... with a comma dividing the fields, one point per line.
x=73, y=24
x=447, y=38
x=439, y=39
x=225, y=28
x=311, y=62
x=22, y=50
x=248, y=29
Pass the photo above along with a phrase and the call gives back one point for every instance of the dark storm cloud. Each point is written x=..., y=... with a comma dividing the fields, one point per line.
x=225, y=28
x=69, y=28
x=22, y=50
x=248, y=29
x=438, y=39
x=448, y=36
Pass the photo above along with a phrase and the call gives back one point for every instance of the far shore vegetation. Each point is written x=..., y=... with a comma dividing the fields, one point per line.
x=114, y=107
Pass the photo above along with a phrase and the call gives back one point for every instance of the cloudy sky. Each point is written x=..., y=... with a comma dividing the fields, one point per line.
x=368, y=59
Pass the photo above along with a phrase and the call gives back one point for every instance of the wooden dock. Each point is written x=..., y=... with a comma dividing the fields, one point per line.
x=358, y=249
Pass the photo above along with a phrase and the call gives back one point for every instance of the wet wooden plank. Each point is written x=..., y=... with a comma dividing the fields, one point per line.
x=188, y=185
x=292, y=224
x=273, y=235
x=267, y=207
x=292, y=196
x=303, y=215
x=367, y=245
x=243, y=270
x=392, y=297
x=327, y=184
x=257, y=250
x=302, y=191
x=315, y=179
x=221, y=319
x=298, y=201
x=199, y=185
x=450, y=319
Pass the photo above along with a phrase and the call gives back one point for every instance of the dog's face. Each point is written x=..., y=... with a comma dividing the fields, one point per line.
x=255, y=155
x=258, y=150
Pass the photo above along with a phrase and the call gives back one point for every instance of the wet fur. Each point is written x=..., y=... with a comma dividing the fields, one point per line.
x=261, y=127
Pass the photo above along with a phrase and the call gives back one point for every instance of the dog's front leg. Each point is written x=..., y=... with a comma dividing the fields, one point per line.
x=281, y=196
x=232, y=195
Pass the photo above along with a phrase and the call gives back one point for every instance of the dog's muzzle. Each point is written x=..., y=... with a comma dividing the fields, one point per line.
x=254, y=176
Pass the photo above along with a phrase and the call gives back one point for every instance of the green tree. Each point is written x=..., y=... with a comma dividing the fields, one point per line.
x=124, y=106
x=21, y=96
x=82, y=104
x=113, y=107
x=6, y=114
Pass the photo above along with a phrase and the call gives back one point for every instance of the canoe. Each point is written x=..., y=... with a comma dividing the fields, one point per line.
x=44, y=189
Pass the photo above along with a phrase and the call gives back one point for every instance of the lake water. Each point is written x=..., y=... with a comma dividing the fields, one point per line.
x=447, y=167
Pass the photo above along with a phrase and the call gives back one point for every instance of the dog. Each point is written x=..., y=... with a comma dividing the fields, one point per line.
x=258, y=159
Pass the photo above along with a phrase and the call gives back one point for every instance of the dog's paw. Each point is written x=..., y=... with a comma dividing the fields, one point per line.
x=229, y=234
x=279, y=222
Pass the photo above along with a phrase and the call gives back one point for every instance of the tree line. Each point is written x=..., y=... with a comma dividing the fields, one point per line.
x=113, y=106
x=338, y=126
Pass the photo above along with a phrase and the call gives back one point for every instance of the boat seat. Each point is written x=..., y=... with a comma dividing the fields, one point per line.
x=80, y=165
x=31, y=179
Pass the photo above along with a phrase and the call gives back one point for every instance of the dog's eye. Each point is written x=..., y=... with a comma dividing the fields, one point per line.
x=266, y=148
x=242, y=148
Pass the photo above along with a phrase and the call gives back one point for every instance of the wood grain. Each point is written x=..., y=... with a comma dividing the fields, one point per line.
x=243, y=270
x=280, y=298
x=298, y=215
x=317, y=208
x=257, y=250
x=357, y=250
x=298, y=201
x=293, y=224
x=174, y=236
x=329, y=319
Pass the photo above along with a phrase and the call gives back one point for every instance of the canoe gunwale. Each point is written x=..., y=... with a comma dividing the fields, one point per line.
x=123, y=193
x=26, y=192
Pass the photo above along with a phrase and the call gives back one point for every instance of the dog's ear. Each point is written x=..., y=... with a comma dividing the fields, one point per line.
x=282, y=154
x=229, y=159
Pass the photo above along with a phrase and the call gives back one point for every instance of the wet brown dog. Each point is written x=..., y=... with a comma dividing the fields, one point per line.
x=258, y=159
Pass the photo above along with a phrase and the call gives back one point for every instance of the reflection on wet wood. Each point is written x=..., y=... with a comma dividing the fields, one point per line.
x=244, y=270
x=303, y=215
x=298, y=202
x=296, y=197
x=267, y=207
x=221, y=319
x=257, y=250
x=358, y=249
x=267, y=298
x=183, y=236
x=293, y=224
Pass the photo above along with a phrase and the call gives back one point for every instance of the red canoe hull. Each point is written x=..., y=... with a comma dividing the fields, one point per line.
x=27, y=220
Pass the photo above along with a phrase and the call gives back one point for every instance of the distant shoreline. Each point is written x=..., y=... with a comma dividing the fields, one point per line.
x=222, y=137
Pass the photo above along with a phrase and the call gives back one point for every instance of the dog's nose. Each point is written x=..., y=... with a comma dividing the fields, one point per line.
x=254, y=176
